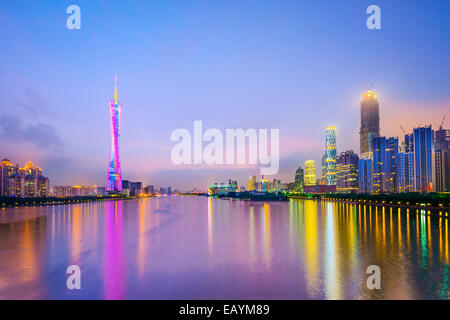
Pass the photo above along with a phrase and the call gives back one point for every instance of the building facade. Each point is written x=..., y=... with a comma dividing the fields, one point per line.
x=347, y=172
x=370, y=121
x=26, y=182
x=310, y=173
x=423, y=159
x=365, y=173
x=330, y=156
x=299, y=179
x=385, y=152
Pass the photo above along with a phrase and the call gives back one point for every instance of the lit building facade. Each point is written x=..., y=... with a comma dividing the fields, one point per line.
x=330, y=156
x=252, y=183
x=22, y=182
x=310, y=173
x=299, y=179
x=423, y=159
x=442, y=160
x=365, y=173
x=405, y=172
x=370, y=121
x=384, y=164
x=114, y=181
x=347, y=172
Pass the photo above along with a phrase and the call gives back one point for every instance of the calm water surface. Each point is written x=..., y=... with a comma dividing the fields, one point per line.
x=200, y=248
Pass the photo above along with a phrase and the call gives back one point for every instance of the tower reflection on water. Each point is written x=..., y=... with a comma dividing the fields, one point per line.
x=197, y=247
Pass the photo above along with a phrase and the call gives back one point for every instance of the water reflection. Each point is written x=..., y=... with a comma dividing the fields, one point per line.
x=196, y=247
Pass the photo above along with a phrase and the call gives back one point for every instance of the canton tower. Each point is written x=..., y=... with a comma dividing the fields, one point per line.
x=114, y=183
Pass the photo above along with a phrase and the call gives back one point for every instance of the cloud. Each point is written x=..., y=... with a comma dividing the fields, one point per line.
x=40, y=134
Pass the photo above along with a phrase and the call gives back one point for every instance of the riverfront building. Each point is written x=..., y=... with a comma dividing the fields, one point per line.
x=330, y=156
x=347, y=172
x=26, y=182
x=370, y=121
x=310, y=173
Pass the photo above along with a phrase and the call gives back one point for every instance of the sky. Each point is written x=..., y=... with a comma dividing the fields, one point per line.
x=297, y=66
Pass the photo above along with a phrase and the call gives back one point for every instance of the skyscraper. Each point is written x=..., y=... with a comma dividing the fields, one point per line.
x=385, y=152
x=370, y=121
x=347, y=172
x=405, y=171
x=442, y=160
x=299, y=179
x=252, y=183
x=365, y=173
x=114, y=182
x=330, y=156
x=310, y=173
x=423, y=159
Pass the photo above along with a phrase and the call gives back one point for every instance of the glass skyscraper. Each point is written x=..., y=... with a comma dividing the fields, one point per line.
x=423, y=159
x=384, y=164
x=114, y=182
x=370, y=121
x=330, y=156
x=365, y=173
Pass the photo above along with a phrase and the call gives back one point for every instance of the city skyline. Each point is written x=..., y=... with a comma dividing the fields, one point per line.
x=182, y=80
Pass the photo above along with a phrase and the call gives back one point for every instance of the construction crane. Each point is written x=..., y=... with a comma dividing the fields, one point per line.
x=402, y=129
x=442, y=123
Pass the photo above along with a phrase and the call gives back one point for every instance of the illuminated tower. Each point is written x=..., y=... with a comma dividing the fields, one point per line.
x=310, y=173
x=370, y=121
x=330, y=156
x=114, y=183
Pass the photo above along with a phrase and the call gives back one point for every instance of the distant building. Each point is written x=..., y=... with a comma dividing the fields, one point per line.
x=405, y=172
x=320, y=189
x=275, y=186
x=442, y=160
x=22, y=182
x=310, y=173
x=330, y=156
x=252, y=183
x=370, y=121
x=221, y=189
x=347, y=172
x=135, y=188
x=365, y=173
x=423, y=159
x=74, y=191
x=384, y=164
x=299, y=179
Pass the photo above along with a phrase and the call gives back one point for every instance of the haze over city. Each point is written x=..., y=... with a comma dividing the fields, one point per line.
x=292, y=66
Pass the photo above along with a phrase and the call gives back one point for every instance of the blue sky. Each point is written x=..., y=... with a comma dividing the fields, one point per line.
x=294, y=65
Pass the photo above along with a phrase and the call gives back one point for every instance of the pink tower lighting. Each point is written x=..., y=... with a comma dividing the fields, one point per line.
x=114, y=182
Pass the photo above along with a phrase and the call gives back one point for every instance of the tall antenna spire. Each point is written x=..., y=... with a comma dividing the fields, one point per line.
x=115, y=89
